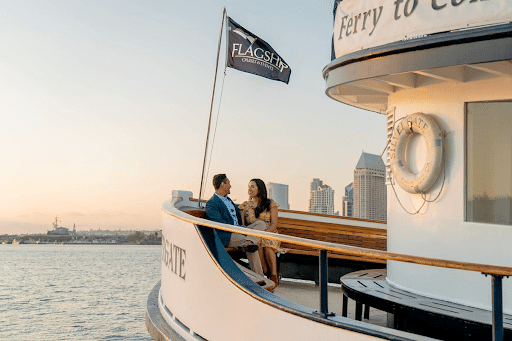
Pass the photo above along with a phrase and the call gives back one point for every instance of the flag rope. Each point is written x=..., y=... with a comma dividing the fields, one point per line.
x=215, y=130
x=211, y=106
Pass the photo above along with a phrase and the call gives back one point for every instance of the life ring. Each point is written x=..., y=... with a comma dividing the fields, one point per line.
x=417, y=123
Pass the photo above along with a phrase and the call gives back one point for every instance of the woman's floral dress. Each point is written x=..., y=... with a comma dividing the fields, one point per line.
x=250, y=217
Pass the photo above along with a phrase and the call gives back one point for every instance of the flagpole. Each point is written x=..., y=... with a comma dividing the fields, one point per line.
x=211, y=106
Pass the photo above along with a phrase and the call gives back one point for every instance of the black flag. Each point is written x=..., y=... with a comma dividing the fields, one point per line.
x=248, y=53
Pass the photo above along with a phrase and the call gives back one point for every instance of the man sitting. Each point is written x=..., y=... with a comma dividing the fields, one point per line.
x=220, y=208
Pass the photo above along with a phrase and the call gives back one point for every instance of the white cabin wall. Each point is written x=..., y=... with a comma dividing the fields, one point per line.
x=440, y=231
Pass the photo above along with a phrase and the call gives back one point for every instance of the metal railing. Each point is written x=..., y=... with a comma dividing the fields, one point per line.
x=496, y=272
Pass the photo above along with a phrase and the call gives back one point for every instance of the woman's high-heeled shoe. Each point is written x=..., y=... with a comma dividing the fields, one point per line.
x=274, y=279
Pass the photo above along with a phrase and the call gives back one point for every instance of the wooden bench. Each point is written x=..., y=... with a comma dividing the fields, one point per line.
x=194, y=211
x=371, y=238
x=417, y=313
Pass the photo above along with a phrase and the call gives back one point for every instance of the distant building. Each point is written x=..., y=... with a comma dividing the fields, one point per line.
x=348, y=201
x=370, y=199
x=321, y=198
x=279, y=193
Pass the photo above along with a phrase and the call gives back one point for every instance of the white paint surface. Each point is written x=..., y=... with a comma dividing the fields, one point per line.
x=216, y=308
x=440, y=230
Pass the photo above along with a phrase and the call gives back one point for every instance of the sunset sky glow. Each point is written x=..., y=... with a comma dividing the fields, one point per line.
x=105, y=107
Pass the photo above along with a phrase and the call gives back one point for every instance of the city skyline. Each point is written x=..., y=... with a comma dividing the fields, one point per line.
x=269, y=186
x=105, y=109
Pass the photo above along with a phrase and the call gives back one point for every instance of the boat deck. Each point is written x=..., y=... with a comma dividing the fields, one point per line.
x=307, y=293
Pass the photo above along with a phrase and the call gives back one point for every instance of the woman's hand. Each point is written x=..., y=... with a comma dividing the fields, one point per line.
x=272, y=227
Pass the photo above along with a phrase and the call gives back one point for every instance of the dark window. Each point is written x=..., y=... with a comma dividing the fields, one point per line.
x=489, y=162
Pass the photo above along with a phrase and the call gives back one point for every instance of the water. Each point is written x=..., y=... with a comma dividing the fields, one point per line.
x=76, y=292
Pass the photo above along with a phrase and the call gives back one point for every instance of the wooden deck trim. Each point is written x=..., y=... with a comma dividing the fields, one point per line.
x=333, y=216
x=336, y=256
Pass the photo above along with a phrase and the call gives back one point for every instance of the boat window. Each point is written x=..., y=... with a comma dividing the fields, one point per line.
x=489, y=162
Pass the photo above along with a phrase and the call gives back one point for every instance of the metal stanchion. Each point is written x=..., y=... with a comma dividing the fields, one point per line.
x=497, y=307
x=323, y=279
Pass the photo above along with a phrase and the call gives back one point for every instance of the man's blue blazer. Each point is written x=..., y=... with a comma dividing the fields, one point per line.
x=217, y=211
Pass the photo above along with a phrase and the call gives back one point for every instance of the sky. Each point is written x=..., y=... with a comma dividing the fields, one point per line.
x=105, y=104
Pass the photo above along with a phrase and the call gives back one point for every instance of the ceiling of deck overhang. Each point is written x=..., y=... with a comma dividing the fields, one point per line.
x=372, y=94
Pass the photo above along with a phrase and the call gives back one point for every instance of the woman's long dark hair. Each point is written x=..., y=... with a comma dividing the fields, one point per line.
x=262, y=195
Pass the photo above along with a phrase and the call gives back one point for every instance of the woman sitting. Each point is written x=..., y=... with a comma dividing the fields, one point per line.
x=259, y=206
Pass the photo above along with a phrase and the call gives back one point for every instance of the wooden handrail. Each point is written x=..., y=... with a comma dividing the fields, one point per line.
x=170, y=209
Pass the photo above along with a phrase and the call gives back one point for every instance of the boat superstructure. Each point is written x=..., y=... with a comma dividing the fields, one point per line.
x=450, y=62
x=203, y=295
x=59, y=230
x=442, y=74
